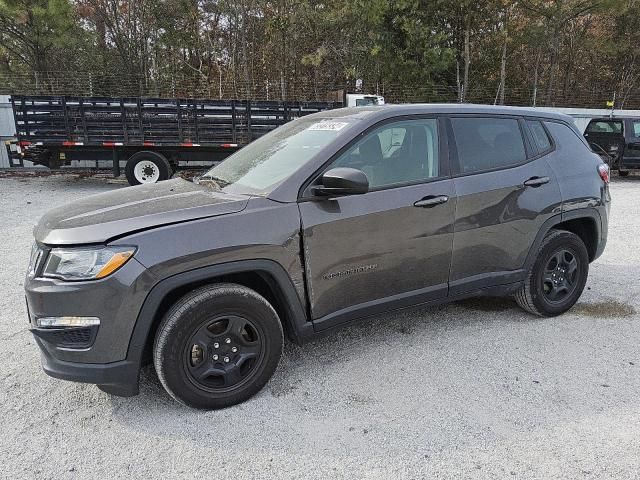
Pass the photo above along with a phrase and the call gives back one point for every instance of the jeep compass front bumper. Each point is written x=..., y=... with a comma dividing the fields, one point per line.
x=84, y=328
x=117, y=378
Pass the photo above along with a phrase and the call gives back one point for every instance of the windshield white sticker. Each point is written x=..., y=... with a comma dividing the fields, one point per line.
x=328, y=126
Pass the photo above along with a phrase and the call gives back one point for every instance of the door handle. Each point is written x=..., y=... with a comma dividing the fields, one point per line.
x=431, y=201
x=536, y=181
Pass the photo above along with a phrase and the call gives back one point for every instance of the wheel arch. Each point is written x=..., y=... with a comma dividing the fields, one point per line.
x=266, y=277
x=584, y=222
x=147, y=152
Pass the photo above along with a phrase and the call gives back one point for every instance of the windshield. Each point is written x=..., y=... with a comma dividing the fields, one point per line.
x=265, y=163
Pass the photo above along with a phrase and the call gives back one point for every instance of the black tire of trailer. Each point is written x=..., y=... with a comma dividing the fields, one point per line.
x=160, y=162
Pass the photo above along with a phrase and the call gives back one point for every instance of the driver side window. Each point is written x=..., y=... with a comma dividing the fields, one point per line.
x=396, y=153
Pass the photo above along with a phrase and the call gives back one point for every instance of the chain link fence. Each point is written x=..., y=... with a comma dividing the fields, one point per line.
x=185, y=86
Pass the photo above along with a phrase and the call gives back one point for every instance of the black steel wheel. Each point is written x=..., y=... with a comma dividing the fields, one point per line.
x=217, y=346
x=558, y=275
x=223, y=353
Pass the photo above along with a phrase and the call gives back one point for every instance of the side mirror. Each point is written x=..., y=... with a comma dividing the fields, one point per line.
x=342, y=181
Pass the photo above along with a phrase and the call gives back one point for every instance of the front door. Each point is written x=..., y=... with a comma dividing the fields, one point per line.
x=390, y=247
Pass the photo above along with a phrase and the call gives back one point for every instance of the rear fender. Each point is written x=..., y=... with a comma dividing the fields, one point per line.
x=557, y=220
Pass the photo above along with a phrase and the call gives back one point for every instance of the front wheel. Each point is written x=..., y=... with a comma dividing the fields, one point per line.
x=217, y=346
x=557, y=277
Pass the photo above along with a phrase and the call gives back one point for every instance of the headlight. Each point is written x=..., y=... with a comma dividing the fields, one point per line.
x=86, y=263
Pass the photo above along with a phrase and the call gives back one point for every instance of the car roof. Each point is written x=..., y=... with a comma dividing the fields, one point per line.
x=392, y=110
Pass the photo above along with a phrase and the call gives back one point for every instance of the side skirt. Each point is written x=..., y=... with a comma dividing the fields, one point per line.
x=336, y=320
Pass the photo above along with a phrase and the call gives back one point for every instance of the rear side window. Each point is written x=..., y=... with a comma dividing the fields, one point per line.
x=604, y=126
x=488, y=143
x=636, y=129
x=540, y=137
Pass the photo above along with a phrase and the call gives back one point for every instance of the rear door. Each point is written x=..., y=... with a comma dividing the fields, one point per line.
x=390, y=247
x=505, y=192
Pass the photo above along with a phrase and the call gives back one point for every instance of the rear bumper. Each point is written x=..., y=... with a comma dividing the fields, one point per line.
x=601, y=246
x=117, y=378
x=603, y=216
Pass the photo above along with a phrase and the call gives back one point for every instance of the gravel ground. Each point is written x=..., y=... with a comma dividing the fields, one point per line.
x=477, y=389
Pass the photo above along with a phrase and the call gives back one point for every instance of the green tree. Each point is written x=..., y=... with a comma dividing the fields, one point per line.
x=38, y=34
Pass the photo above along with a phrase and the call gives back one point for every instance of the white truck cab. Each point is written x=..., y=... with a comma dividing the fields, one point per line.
x=361, y=100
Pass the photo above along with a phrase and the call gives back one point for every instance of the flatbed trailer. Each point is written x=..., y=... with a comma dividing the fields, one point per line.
x=153, y=136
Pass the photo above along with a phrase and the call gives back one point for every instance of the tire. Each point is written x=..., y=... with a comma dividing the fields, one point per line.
x=623, y=173
x=147, y=167
x=193, y=351
x=537, y=294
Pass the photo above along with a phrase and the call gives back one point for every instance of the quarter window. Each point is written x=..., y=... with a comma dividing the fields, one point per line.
x=566, y=137
x=540, y=136
x=396, y=153
x=488, y=143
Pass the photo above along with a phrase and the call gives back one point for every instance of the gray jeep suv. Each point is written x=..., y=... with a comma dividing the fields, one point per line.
x=331, y=218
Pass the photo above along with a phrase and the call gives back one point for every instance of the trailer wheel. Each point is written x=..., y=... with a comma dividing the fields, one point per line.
x=147, y=167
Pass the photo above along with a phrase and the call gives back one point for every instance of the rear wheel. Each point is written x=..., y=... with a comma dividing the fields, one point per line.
x=217, y=346
x=557, y=277
x=147, y=167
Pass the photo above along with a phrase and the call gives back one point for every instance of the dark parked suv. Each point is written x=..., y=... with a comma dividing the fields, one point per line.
x=617, y=140
x=331, y=218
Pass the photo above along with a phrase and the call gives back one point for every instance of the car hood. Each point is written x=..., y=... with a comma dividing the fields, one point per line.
x=99, y=218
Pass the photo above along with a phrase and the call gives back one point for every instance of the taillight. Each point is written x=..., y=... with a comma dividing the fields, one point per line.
x=603, y=170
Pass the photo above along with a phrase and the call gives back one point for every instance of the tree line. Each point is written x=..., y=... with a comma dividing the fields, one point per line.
x=524, y=52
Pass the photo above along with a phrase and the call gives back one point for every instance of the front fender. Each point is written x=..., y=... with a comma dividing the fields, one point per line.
x=298, y=324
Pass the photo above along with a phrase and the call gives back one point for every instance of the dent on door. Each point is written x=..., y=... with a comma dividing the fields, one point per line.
x=497, y=220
